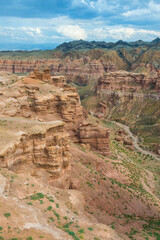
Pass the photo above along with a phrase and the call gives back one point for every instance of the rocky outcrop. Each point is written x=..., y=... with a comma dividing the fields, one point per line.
x=132, y=99
x=122, y=87
x=122, y=137
x=96, y=137
x=43, y=76
x=128, y=82
x=39, y=96
x=40, y=149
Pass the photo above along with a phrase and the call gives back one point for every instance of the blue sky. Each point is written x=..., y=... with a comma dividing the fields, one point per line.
x=56, y=21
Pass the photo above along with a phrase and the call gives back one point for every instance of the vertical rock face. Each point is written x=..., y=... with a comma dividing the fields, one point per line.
x=44, y=98
x=123, y=87
x=128, y=82
x=44, y=76
x=81, y=70
x=38, y=148
x=96, y=137
x=13, y=66
x=50, y=100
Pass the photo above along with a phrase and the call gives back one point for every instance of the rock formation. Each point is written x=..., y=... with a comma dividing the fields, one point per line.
x=122, y=137
x=44, y=98
x=132, y=99
x=96, y=137
x=122, y=87
x=158, y=149
x=35, y=158
x=40, y=149
x=128, y=82
x=80, y=70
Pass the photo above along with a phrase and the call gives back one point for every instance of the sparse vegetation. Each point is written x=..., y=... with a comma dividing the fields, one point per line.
x=7, y=215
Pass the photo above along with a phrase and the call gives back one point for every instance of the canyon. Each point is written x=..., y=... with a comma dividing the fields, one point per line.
x=132, y=99
x=69, y=171
x=45, y=99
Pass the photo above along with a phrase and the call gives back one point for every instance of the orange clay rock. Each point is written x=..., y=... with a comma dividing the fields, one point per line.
x=39, y=148
x=44, y=98
x=96, y=137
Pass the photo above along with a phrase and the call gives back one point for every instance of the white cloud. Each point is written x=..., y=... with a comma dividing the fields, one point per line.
x=104, y=5
x=136, y=12
x=151, y=9
x=84, y=2
x=96, y=5
x=99, y=33
x=60, y=29
x=72, y=31
x=123, y=33
x=33, y=30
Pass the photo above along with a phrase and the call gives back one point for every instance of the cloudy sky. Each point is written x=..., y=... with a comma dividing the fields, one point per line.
x=56, y=21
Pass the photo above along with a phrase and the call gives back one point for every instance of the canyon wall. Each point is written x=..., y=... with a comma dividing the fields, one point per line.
x=44, y=98
x=40, y=149
x=80, y=70
x=132, y=99
x=96, y=137
x=116, y=88
x=128, y=82
x=19, y=66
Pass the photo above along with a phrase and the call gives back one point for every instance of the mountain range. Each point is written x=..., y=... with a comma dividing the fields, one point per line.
x=81, y=44
x=78, y=45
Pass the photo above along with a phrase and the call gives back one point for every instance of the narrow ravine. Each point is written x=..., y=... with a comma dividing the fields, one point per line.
x=135, y=141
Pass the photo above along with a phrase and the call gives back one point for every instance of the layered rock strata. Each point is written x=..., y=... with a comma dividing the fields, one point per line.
x=128, y=82
x=41, y=97
x=40, y=149
x=46, y=98
x=122, y=87
x=97, y=138
x=80, y=70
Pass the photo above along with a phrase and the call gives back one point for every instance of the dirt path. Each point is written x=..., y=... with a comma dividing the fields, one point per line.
x=135, y=141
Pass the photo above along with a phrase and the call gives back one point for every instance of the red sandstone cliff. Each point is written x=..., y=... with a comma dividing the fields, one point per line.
x=45, y=98
x=128, y=82
x=80, y=70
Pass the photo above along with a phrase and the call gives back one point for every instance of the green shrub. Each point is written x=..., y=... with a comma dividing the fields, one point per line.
x=49, y=208
x=29, y=238
x=90, y=229
x=81, y=230
x=7, y=215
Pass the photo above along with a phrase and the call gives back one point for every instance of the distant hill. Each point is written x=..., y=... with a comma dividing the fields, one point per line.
x=138, y=56
x=86, y=45
x=78, y=45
